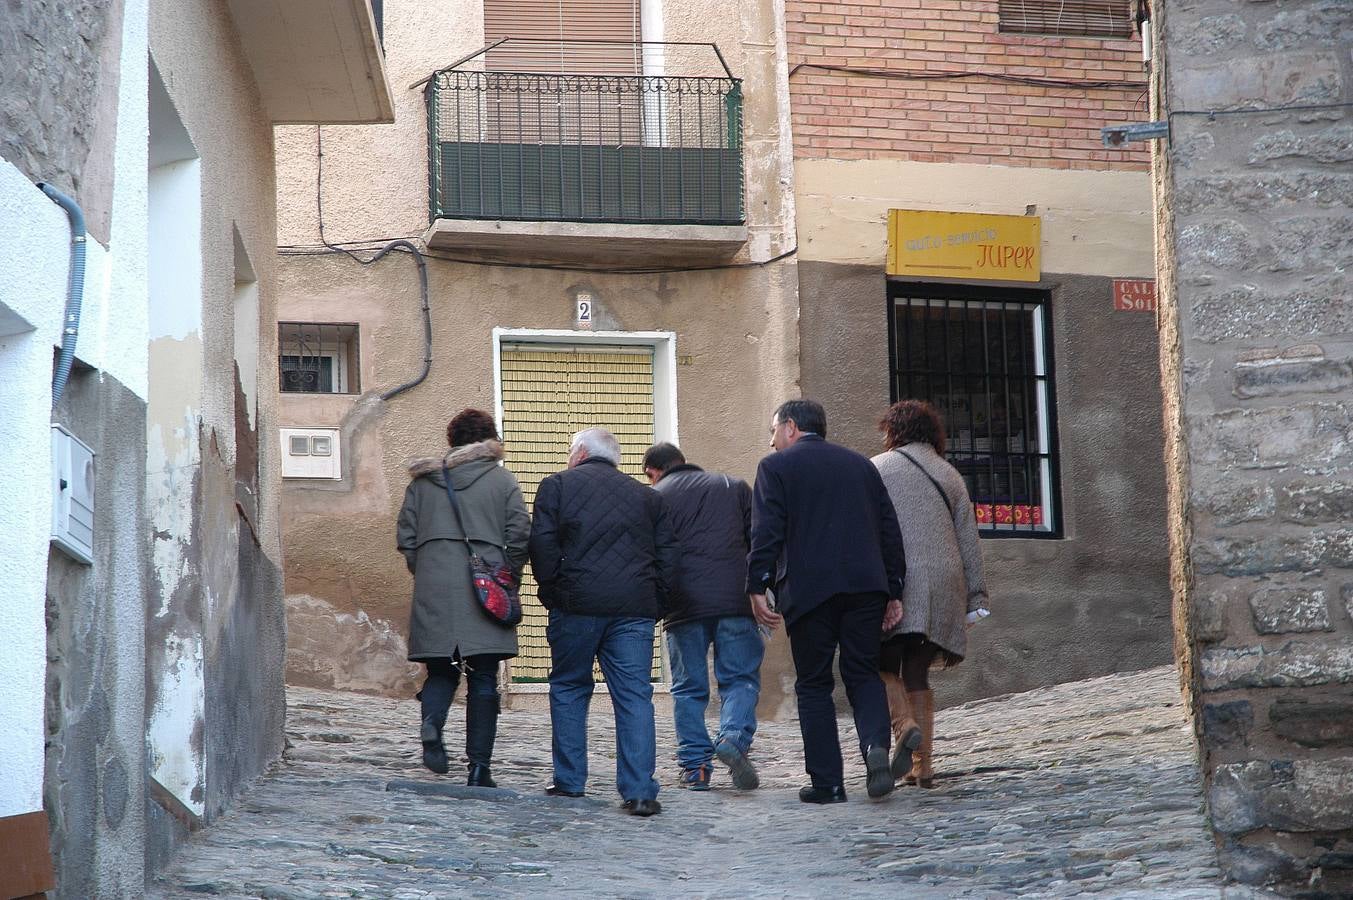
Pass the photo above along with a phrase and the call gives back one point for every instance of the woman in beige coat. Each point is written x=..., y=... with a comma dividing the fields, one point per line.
x=944, y=592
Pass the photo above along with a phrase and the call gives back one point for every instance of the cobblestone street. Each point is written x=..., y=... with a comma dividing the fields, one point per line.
x=1085, y=788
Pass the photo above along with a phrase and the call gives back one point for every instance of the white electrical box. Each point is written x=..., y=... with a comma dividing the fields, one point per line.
x=72, y=495
x=311, y=453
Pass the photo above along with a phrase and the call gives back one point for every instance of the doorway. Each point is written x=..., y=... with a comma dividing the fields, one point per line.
x=554, y=384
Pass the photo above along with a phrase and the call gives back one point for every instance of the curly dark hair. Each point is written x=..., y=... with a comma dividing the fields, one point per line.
x=470, y=426
x=912, y=420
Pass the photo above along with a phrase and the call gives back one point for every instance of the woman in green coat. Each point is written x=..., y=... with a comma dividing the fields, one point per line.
x=448, y=631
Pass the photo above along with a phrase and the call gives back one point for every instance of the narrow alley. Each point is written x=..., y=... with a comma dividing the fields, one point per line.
x=1084, y=788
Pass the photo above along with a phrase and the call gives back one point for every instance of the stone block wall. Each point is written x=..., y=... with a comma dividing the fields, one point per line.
x=1255, y=229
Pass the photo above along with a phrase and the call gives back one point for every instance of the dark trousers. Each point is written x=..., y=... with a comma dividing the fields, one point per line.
x=443, y=676
x=853, y=623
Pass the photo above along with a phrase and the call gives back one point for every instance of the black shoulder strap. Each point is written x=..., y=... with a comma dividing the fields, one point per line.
x=943, y=496
x=455, y=507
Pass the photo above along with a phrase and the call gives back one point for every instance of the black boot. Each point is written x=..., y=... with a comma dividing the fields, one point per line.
x=434, y=751
x=481, y=729
x=438, y=689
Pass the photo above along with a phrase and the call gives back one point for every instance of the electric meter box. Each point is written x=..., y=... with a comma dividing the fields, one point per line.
x=72, y=495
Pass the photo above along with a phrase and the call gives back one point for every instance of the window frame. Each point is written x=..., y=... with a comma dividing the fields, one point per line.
x=343, y=355
x=900, y=289
x=1006, y=26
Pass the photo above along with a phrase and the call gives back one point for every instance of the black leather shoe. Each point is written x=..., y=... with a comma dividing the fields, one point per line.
x=555, y=791
x=480, y=777
x=813, y=794
x=644, y=808
x=880, y=782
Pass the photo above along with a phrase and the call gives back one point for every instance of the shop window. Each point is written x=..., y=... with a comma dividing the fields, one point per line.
x=318, y=358
x=1072, y=18
x=983, y=357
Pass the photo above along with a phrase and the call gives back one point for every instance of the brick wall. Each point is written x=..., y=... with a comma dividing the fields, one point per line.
x=1255, y=243
x=975, y=120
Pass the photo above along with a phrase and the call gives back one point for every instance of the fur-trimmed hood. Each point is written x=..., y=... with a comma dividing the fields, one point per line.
x=456, y=456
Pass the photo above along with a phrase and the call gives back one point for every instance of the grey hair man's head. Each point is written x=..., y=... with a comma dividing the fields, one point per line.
x=594, y=443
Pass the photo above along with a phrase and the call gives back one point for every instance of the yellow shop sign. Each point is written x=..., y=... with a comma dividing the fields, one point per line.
x=963, y=245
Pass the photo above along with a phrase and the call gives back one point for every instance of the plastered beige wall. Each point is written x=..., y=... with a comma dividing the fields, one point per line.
x=197, y=52
x=375, y=176
x=736, y=346
x=1094, y=223
x=736, y=330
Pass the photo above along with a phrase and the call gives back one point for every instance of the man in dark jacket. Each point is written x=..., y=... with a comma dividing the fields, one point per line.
x=603, y=555
x=711, y=517
x=826, y=510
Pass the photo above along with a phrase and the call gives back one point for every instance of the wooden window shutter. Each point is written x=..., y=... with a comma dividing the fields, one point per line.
x=553, y=26
x=1083, y=18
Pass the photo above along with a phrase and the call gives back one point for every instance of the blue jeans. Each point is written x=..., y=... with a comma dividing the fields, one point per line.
x=624, y=649
x=737, y=668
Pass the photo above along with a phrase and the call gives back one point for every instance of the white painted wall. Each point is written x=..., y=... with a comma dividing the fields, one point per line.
x=32, y=288
x=173, y=455
x=113, y=339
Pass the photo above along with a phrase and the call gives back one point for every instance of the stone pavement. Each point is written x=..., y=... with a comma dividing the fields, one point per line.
x=1082, y=789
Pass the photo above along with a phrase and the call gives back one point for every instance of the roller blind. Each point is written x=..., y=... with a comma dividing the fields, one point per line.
x=1087, y=18
x=549, y=393
x=554, y=25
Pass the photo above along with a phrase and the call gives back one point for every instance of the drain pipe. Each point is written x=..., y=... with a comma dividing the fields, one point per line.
x=408, y=247
x=75, y=288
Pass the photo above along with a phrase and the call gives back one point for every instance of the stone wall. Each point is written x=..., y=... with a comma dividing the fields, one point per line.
x=1256, y=236
x=95, y=741
x=58, y=84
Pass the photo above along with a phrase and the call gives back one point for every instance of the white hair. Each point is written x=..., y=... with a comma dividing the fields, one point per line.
x=599, y=444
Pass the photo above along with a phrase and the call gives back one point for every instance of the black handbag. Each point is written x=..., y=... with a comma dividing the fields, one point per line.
x=496, y=589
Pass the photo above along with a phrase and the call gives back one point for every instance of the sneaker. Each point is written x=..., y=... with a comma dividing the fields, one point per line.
x=555, y=790
x=642, y=808
x=696, y=779
x=739, y=766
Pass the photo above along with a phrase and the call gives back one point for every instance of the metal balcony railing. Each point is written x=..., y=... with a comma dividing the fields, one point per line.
x=585, y=146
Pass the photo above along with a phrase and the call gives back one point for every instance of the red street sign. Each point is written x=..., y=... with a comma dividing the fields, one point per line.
x=1134, y=294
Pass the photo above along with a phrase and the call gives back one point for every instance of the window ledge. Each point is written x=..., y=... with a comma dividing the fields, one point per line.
x=606, y=243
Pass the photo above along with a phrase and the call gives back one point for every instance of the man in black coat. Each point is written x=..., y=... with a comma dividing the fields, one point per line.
x=711, y=516
x=825, y=510
x=603, y=555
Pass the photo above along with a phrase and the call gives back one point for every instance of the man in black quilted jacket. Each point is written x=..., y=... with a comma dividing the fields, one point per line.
x=603, y=555
x=711, y=516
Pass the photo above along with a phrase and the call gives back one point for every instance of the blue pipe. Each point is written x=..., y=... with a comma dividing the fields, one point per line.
x=75, y=288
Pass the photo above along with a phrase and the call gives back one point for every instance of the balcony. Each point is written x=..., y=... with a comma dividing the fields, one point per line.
x=577, y=154
x=316, y=61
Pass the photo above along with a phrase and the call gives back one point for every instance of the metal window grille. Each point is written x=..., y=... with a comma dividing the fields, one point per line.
x=551, y=143
x=315, y=358
x=1074, y=18
x=983, y=358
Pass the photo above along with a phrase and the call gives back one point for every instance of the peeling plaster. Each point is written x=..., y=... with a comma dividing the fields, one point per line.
x=176, y=722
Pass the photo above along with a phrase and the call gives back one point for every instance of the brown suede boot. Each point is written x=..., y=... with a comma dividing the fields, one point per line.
x=923, y=706
x=906, y=733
